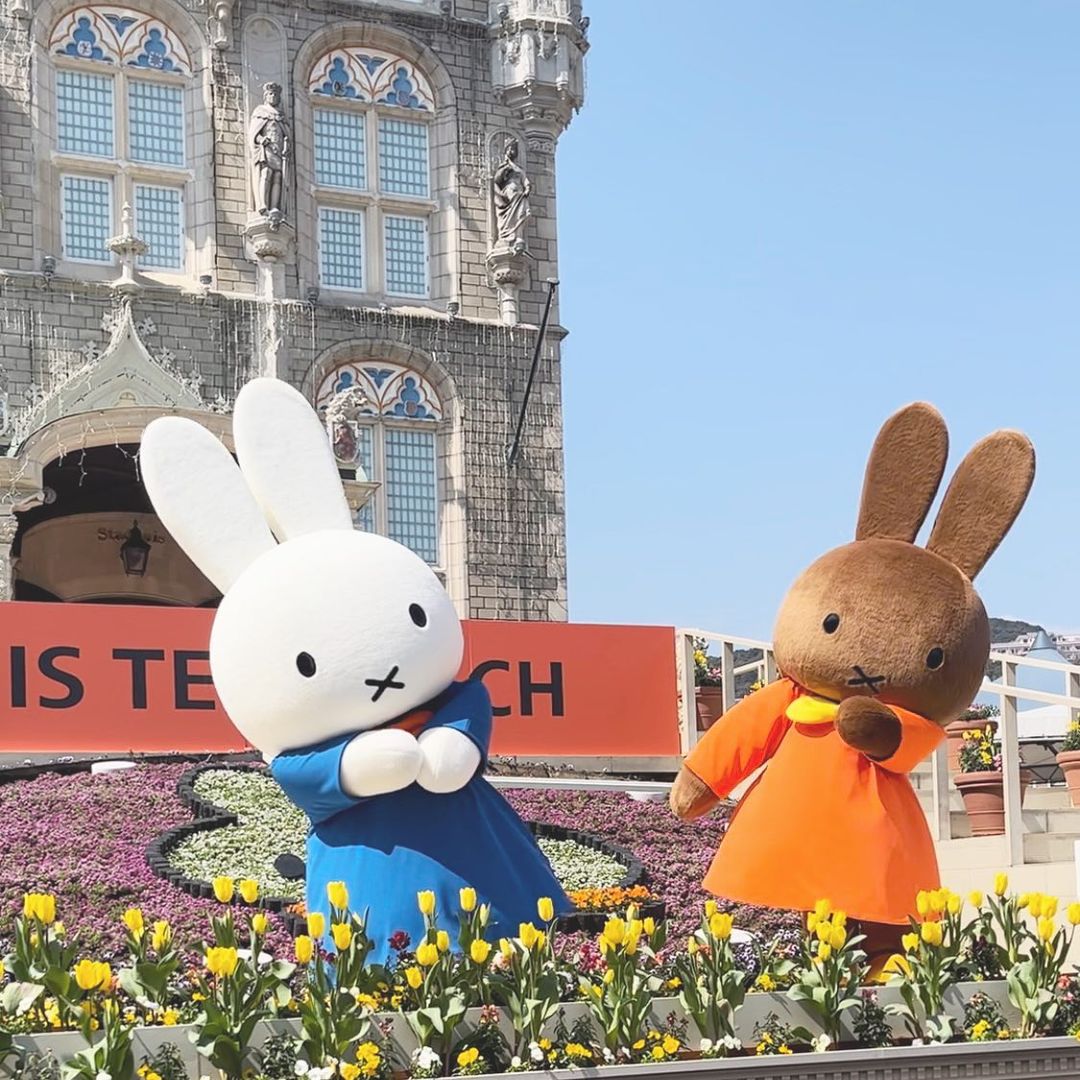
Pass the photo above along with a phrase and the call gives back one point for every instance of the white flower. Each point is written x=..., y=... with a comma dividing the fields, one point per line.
x=301, y=1068
x=535, y=1053
x=731, y=1042
x=705, y=1045
x=821, y=1044
x=103, y=1075
x=608, y=1055
x=515, y=1062
x=425, y=1058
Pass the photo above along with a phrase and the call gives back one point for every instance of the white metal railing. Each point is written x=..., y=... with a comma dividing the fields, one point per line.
x=1008, y=694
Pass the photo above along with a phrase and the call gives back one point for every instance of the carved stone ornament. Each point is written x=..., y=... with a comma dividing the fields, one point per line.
x=127, y=247
x=271, y=148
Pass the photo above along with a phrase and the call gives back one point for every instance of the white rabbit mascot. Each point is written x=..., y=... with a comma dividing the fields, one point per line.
x=334, y=652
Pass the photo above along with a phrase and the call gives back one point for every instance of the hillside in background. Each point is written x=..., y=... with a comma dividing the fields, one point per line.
x=1002, y=630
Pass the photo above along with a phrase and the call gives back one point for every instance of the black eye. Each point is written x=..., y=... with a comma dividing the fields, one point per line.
x=305, y=664
x=831, y=623
x=418, y=614
x=935, y=658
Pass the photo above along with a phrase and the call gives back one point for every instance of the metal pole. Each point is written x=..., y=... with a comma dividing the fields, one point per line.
x=552, y=284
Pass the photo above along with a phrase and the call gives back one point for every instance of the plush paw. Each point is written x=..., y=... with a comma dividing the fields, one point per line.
x=690, y=797
x=869, y=726
x=377, y=762
x=450, y=760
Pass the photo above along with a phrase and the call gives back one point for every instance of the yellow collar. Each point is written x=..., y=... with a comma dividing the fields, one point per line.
x=811, y=709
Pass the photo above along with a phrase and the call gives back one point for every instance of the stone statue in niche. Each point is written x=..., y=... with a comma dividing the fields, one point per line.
x=268, y=138
x=510, y=193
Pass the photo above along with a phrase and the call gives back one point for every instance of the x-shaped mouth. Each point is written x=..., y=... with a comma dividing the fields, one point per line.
x=382, y=685
x=861, y=679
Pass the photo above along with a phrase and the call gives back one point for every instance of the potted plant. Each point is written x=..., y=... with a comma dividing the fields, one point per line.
x=1068, y=760
x=708, y=694
x=981, y=782
x=977, y=718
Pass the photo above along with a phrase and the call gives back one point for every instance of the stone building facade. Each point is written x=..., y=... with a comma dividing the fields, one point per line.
x=357, y=196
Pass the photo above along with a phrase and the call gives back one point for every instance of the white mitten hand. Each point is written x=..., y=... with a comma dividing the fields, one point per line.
x=376, y=762
x=450, y=760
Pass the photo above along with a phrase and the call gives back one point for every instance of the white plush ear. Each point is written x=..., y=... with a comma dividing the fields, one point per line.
x=200, y=496
x=285, y=456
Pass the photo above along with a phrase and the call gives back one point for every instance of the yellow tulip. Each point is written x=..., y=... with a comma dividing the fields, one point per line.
x=710, y=908
x=1049, y=906
x=161, y=938
x=824, y=929
x=822, y=909
x=133, y=920
x=426, y=902
x=976, y=899
x=720, y=926
x=609, y=977
x=838, y=937
x=1034, y=905
x=1023, y=900
x=223, y=889
x=467, y=899
x=338, y=895
x=824, y=951
x=1046, y=928
x=650, y=926
x=221, y=961
x=840, y=919
x=692, y=946
x=249, y=890
x=305, y=949
x=540, y=941
x=259, y=923
x=40, y=906
x=506, y=948
x=931, y=933
x=485, y=914
x=316, y=924
x=910, y=942
x=1001, y=884
x=342, y=934
x=812, y=921
x=527, y=933
x=922, y=904
x=954, y=904
x=427, y=954
x=614, y=931
x=1073, y=914
x=92, y=975
x=479, y=951
x=414, y=977
x=442, y=941
x=545, y=909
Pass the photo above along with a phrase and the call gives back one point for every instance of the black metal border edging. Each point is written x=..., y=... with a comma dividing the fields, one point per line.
x=210, y=816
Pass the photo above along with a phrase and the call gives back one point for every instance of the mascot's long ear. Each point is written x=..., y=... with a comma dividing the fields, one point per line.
x=286, y=459
x=200, y=496
x=903, y=474
x=989, y=489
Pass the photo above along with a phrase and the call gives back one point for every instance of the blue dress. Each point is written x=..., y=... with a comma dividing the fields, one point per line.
x=386, y=848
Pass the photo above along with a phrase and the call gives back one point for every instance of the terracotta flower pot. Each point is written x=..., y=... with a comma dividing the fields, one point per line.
x=954, y=733
x=710, y=704
x=984, y=801
x=1069, y=762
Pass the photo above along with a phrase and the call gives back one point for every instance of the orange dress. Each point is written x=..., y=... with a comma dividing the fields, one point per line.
x=822, y=821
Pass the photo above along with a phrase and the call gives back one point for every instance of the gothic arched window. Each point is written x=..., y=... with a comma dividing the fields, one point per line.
x=394, y=438
x=121, y=84
x=371, y=118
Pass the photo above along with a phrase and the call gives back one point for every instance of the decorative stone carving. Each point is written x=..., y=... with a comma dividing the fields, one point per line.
x=271, y=246
x=342, y=415
x=538, y=61
x=270, y=145
x=510, y=190
x=127, y=247
x=221, y=24
x=9, y=526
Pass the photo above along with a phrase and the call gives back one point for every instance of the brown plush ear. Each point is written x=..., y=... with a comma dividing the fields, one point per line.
x=903, y=474
x=983, y=499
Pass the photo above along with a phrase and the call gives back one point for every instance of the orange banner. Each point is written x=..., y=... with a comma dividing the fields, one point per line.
x=82, y=678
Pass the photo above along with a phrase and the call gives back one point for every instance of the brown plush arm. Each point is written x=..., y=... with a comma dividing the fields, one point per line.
x=869, y=726
x=690, y=797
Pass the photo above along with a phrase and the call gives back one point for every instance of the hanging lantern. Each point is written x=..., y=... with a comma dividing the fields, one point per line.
x=135, y=552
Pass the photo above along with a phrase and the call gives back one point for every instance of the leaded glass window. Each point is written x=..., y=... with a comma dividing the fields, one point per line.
x=84, y=113
x=341, y=248
x=156, y=123
x=371, y=123
x=120, y=79
x=86, y=218
x=159, y=221
x=410, y=490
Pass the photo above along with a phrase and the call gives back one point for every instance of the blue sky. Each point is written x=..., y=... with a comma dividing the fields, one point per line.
x=779, y=222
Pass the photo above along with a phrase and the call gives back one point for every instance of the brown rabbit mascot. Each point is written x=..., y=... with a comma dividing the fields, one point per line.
x=880, y=644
